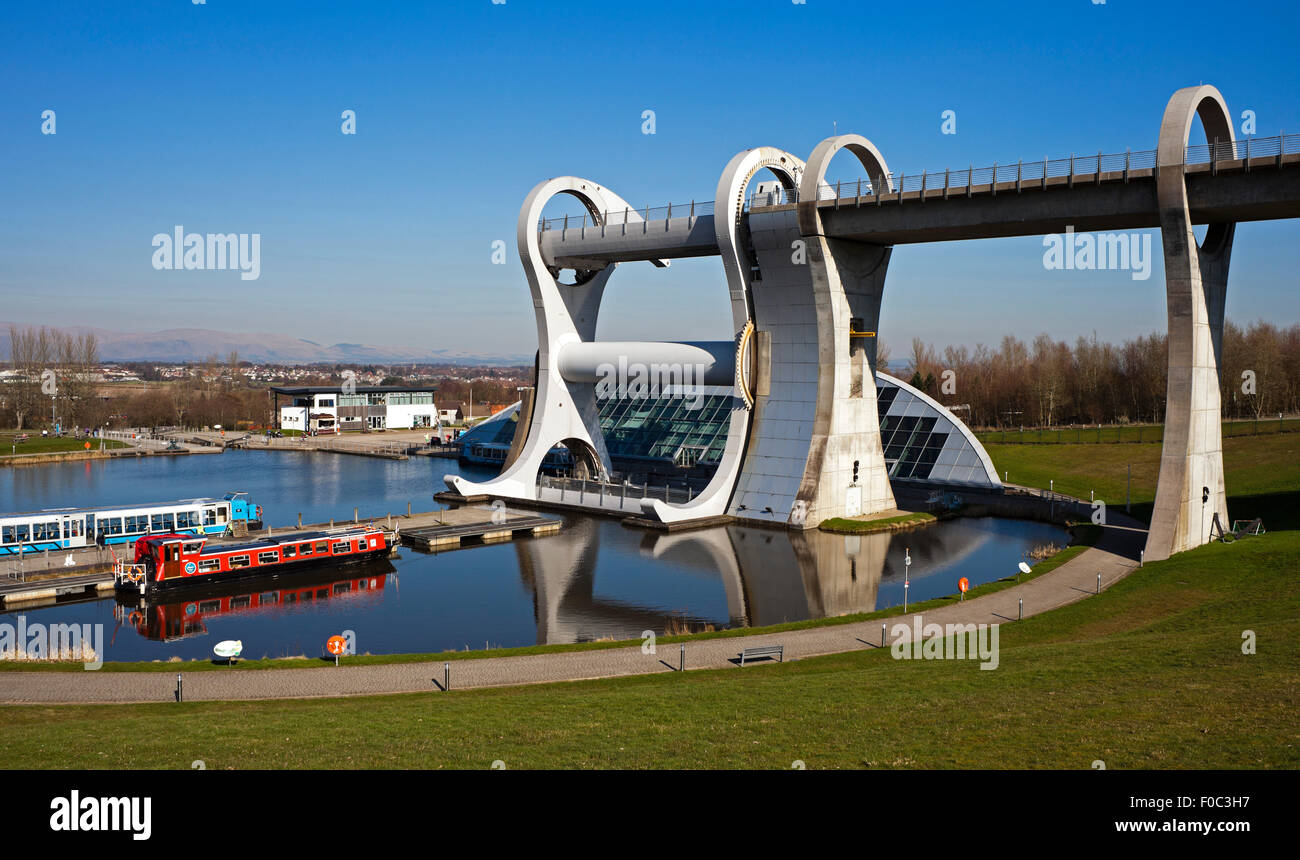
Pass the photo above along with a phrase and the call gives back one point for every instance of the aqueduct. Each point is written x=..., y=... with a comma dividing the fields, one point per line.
x=805, y=268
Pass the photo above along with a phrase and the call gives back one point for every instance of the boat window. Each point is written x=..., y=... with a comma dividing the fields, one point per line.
x=290, y=551
x=7, y=534
x=268, y=557
x=192, y=547
x=238, y=561
x=305, y=548
x=209, y=516
x=322, y=593
x=322, y=547
x=342, y=546
x=208, y=565
x=156, y=522
x=210, y=606
x=22, y=533
x=267, y=597
x=342, y=588
x=241, y=601
x=291, y=598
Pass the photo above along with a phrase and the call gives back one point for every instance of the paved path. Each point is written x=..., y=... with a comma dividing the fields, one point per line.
x=1114, y=557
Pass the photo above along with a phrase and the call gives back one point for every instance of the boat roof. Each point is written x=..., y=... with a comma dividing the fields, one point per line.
x=268, y=542
x=125, y=508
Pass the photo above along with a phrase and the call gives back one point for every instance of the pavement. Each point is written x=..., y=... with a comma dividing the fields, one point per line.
x=1114, y=557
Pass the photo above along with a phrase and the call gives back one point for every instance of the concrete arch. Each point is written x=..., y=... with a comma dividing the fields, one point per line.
x=565, y=314
x=1190, y=491
x=848, y=281
x=810, y=222
x=737, y=264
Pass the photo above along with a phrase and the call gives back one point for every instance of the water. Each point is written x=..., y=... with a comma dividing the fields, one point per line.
x=596, y=579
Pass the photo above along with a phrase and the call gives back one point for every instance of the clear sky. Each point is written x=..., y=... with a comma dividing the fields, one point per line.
x=226, y=117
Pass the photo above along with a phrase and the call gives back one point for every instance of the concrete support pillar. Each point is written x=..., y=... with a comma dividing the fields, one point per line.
x=1190, y=491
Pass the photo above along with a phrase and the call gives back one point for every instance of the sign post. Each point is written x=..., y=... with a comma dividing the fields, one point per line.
x=962, y=585
x=336, y=645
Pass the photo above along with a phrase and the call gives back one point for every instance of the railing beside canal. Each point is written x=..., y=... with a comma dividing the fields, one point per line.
x=625, y=496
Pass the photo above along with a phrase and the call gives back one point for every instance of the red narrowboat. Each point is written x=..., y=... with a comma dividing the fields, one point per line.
x=172, y=560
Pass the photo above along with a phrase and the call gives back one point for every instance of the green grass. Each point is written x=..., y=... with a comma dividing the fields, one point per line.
x=1262, y=473
x=1149, y=674
x=36, y=444
x=1113, y=433
x=851, y=526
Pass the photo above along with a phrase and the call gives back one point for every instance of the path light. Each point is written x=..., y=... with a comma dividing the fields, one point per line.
x=907, y=565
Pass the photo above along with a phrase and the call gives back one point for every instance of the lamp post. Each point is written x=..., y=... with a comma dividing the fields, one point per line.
x=907, y=566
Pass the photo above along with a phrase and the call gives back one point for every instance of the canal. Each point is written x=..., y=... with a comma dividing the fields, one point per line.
x=595, y=580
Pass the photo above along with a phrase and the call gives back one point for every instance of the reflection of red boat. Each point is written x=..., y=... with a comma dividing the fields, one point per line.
x=168, y=560
x=177, y=619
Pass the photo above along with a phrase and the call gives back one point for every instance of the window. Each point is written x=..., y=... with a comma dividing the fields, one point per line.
x=209, y=516
x=208, y=565
x=341, y=546
x=193, y=547
x=268, y=557
x=342, y=588
x=291, y=598
x=237, y=561
x=304, y=548
x=290, y=551
x=267, y=597
x=7, y=535
x=325, y=402
x=23, y=534
x=322, y=593
x=322, y=547
x=210, y=606
x=241, y=602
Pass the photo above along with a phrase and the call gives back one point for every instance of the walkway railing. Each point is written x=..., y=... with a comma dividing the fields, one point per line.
x=582, y=492
x=1024, y=173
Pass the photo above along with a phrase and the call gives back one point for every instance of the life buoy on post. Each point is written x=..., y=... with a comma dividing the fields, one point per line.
x=135, y=617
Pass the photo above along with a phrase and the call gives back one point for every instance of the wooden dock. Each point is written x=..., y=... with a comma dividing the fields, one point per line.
x=501, y=527
x=37, y=592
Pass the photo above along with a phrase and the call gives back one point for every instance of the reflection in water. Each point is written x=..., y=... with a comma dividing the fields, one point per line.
x=183, y=613
x=769, y=576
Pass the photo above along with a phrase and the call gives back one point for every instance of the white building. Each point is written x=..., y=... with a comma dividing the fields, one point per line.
x=326, y=409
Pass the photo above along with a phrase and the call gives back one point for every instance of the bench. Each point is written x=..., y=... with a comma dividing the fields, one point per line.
x=777, y=651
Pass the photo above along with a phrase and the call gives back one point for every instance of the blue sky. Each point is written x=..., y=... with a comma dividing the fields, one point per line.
x=225, y=117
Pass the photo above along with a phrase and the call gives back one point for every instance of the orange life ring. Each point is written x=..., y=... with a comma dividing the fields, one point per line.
x=135, y=617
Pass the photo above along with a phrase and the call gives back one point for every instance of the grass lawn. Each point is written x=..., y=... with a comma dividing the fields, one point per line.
x=1254, y=467
x=1148, y=674
x=852, y=526
x=36, y=444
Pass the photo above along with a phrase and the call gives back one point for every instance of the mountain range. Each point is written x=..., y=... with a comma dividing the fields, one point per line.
x=195, y=344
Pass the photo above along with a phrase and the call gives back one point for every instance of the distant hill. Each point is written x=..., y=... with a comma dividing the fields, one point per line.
x=194, y=344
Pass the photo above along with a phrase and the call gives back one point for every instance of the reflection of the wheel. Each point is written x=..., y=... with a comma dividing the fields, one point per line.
x=178, y=614
x=769, y=576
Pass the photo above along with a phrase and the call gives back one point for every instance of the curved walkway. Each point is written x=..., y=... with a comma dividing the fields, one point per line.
x=1114, y=557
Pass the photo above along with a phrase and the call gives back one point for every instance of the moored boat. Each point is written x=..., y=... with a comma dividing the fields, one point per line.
x=173, y=560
